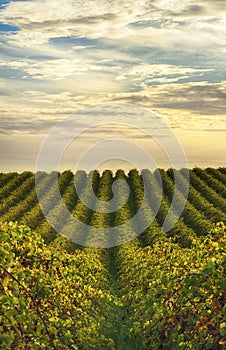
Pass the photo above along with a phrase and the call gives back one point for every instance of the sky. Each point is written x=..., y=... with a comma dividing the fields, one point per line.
x=60, y=56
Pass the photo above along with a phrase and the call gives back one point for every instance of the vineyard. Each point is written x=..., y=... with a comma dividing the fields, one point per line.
x=160, y=290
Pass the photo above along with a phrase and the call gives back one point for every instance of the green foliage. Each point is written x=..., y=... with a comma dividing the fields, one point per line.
x=49, y=298
x=172, y=297
x=159, y=291
x=176, y=296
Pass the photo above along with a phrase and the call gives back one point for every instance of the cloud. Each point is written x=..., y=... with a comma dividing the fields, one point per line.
x=202, y=99
x=191, y=106
x=166, y=55
x=191, y=8
x=39, y=21
x=160, y=73
x=188, y=106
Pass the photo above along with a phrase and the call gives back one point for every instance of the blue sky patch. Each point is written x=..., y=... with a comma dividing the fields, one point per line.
x=73, y=41
x=4, y=3
x=4, y=27
x=158, y=23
